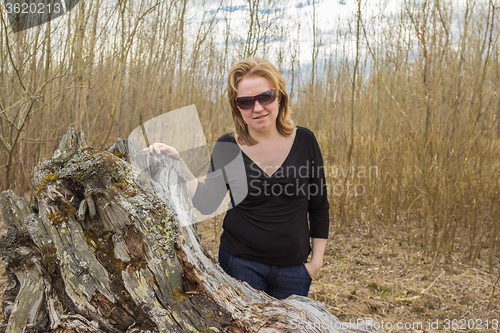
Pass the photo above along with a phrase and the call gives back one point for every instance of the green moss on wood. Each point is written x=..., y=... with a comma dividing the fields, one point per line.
x=57, y=218
x=122, y=186
x=119, y=155
x=61, y=216
x=49, y=258
x=49, y=178
x=178, y=294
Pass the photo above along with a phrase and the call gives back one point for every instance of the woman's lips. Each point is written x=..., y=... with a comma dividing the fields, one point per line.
x=260, y=117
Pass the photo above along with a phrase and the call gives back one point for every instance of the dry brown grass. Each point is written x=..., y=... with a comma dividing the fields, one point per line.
x=391, y=282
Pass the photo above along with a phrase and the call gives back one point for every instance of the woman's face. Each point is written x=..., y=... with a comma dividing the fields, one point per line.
x=261, y=118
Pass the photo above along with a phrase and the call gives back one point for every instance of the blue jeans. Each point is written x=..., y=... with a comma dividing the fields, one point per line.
x=277, y=281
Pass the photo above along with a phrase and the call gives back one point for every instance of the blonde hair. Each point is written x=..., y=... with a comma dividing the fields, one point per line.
x=263, y=68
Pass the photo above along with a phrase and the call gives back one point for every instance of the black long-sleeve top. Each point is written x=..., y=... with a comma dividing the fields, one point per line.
x=267, y=219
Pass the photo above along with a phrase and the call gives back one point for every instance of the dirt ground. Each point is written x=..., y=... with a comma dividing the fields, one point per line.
x=391, y=283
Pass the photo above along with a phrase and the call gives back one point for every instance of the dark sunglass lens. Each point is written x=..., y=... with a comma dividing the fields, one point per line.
x=245, y=102
x=267, y=97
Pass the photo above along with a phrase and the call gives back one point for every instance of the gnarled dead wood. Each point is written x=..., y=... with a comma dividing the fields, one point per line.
x=108, y=247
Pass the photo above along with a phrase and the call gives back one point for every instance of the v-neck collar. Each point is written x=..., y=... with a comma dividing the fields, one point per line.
x=282, y=163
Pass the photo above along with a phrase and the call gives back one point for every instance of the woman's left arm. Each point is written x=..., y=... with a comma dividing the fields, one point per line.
x=318, y=250
x=319, y=217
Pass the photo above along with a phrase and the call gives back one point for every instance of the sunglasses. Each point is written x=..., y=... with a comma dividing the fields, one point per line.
x=248, y=102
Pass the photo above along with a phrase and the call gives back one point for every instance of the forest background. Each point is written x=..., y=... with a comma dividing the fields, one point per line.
x=401, y=95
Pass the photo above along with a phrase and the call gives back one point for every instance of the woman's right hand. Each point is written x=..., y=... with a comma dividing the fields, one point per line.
x=171, y=151
x=159, y=147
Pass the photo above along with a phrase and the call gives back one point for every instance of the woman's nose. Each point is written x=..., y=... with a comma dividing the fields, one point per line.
x=258, y=107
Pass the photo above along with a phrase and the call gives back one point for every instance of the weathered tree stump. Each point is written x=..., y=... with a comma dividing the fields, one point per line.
x=108, y=247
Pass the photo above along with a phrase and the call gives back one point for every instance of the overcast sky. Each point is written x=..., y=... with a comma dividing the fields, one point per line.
x=332, y=17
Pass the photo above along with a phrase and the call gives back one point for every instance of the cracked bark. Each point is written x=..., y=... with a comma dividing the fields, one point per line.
x=108, y=247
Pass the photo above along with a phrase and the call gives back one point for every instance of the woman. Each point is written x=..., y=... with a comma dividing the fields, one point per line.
x=266, y=238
